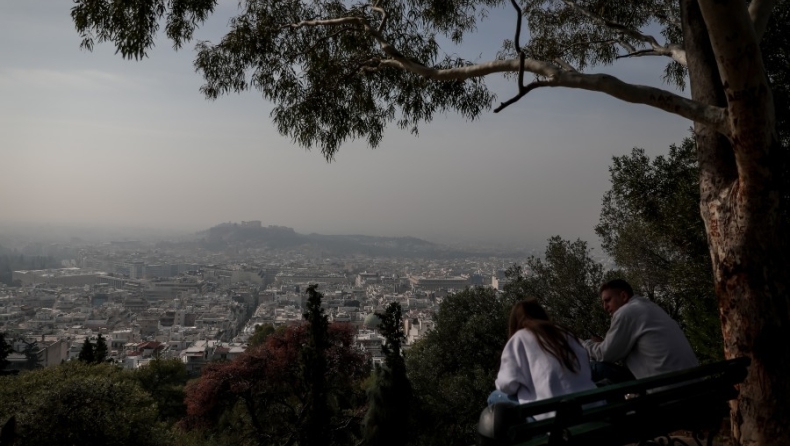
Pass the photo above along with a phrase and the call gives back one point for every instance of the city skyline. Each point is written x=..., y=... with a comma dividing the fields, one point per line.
x=89, y=138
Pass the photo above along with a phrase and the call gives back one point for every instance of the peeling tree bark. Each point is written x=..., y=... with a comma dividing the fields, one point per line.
x=740, y=205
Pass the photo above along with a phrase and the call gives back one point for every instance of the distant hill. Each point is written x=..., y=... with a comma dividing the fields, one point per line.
x=229, y=235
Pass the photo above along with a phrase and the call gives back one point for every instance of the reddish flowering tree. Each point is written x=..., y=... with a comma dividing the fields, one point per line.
x=259, y=397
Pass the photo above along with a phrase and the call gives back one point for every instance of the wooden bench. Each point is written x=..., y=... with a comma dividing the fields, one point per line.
x=644, y=411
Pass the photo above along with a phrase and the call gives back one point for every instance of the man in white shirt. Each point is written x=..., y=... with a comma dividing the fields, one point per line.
x=641, y=334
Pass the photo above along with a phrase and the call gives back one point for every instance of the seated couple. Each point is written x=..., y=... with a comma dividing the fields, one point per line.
x=544, y=360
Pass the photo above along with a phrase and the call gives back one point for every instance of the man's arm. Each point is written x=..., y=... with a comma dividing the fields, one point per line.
x=617, y=343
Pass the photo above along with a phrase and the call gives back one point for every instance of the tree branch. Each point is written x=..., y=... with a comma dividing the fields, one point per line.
x=639, y=53
x=742, y=73
x=359, y=21
x=626, y=46
x=383, y=13
x=565, y=65
x=673, y=51
x=522, y=91
x=550, y=74
x=604, y=83
x=760, y=12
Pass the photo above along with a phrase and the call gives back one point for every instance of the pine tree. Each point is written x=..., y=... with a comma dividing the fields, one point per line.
x=315, y=430
x=5, y=350
x=389, y=398
x=31, y=355
x=100, y=350
x=86, y=354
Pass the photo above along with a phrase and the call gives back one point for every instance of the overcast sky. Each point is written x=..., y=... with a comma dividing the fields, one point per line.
x=91, y=138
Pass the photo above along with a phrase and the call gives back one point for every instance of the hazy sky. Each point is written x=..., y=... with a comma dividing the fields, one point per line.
x=90, y=137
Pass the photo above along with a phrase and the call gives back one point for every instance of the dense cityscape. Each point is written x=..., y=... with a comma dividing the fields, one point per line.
x=181, y=300
x=603, y=261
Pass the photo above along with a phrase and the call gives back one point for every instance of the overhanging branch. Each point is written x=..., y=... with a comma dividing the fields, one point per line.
x=639, y=53
x=522, y=91
x=604, y=83
x=550, y=75
x=565, y=65
x=384, y=16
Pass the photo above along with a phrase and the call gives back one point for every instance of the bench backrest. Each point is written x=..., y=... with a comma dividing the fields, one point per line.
x=685, y=399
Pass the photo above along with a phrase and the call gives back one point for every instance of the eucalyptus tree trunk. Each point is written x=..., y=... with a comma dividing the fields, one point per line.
x=740, y=205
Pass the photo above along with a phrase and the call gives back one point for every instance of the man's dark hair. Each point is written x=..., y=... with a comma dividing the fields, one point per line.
x=619, y=285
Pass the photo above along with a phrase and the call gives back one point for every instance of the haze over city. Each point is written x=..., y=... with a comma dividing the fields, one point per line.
x=194, y=249
x=91, y=139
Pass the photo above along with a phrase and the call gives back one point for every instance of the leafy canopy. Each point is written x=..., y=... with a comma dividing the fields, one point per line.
x=80, y=404
x=338, y=70
x=452, y=369
x=262, y=331
x=164, y=380
x=651, y=228
x=100, y=350
x=261, y=397
x=322, y=80
x=566, y=282
x=5, y=350
x=87, y=352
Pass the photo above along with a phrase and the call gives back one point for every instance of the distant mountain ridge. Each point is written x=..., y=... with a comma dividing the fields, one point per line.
x=228, y=235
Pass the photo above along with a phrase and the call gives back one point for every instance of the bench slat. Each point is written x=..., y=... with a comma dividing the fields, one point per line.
x=690, y=400
x=733, y=370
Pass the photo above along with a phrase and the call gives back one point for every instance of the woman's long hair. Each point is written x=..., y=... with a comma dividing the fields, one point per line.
x=553, y=339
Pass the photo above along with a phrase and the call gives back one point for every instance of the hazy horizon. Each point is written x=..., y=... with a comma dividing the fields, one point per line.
x=89, y=138
x=62, y=232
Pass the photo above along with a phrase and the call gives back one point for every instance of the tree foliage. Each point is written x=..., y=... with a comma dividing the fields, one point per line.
x=337, y=70
x=133, y=26
x=164, y=380
x=650, y=227
x=317, y=412
x=5, y=350
x=566, y=282
x=775, y=48
x=452, y=369
x=86, y=353
x=100, y=350
x=261, y=397
x=301, y=68
x=387, y=422
x=77, y=404
x=30, y=351
x=262, y=331
x=344, y=70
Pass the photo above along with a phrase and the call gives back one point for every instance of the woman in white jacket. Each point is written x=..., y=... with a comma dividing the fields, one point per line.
x=540, y=360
